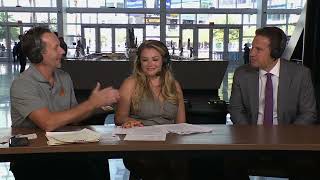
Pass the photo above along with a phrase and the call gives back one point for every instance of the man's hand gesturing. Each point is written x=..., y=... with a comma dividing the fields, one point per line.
x=102, y=97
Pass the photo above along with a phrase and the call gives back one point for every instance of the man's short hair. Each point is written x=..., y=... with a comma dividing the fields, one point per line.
x=277, y=38
x=32, y=45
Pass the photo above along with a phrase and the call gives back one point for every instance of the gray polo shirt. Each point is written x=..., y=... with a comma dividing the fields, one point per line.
x=31, y=91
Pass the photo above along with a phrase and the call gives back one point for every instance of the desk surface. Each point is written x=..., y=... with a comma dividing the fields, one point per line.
x=237, y=138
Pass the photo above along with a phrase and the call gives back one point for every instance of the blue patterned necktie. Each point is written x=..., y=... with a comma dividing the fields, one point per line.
x=268, y=106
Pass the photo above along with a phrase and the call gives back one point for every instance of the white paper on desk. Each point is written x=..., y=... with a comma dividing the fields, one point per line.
x=185, y=128
x=120, y=130
x=82, y=136
x=4, y=139
x=145, y=137
x=109, y=137
x=140, y=130
x=158, y=132
x=53, y=142
x=146, y=133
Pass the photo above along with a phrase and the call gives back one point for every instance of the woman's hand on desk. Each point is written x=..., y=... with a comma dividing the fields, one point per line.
x=132, y=123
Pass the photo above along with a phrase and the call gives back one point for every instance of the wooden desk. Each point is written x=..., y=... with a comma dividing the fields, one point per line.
x=225, y=139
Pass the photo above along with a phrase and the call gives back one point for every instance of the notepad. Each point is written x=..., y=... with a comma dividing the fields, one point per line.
x=140, y=130
x=158, y=132
x=185, y=128
x=182, y=128
x=82, y=136
x=145, y=137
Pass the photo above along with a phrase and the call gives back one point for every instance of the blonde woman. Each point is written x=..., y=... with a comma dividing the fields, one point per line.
x=151, y=95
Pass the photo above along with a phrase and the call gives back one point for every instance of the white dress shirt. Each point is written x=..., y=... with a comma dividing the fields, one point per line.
x=262, y=86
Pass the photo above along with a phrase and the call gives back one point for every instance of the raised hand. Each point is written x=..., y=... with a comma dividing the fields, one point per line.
x=102, y=97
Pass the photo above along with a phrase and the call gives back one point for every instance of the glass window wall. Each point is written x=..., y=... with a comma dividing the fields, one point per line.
x=172, y=30
x=276, y=18
x=20, y=17
x=77, y=3
x=73, y=30
x=3, y=17
x=111, y=18
x=205, y=18
x=45, y=3
x=219, y=18
x=41, y=18
x=73, y=18
x=152, y=4
x=285, y=21
x=53, y=18
x=173, y=18
x=89, y=18
x=115, y=3
x=211, y=4
x=153, y=32
x=152, y=18
x=96, y=3
x=234, y=18
x=150, y=22
x=134, y=4
x=190, y=4
x=136, y=18
x=188, y=19
x=286, y=4
x=249, y=19
x=29, y=3
x=12, y=3
x=227, y=4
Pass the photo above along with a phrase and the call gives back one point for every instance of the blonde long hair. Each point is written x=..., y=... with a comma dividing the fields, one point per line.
x=167, y=81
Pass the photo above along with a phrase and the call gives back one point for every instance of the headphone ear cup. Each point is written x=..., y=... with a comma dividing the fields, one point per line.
x=168, y=60
x=275, y=53
x=167, y=55
x=36, y=55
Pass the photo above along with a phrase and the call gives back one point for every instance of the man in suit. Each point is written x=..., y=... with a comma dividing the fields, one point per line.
x=292, y=89
x=271, y=91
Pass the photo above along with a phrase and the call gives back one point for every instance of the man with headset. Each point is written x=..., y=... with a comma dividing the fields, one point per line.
x=43, y=97
x=292, y=95
x=270, y=90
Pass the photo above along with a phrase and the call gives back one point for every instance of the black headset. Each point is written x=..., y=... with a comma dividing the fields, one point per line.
x=277, y=52
x=166, y=57
x=36, y=51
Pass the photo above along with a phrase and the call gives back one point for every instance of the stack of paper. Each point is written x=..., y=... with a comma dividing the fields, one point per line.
x=147, y=133
x=158, y=132
x=82, y=136
x=145, y=137
x=185, y=128
x=141, y=130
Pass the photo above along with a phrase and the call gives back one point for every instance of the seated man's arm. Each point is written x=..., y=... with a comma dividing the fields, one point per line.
x=181, y=115
x=236, y=106
x=29, y=104
x=50, y=121
x=307, y=113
